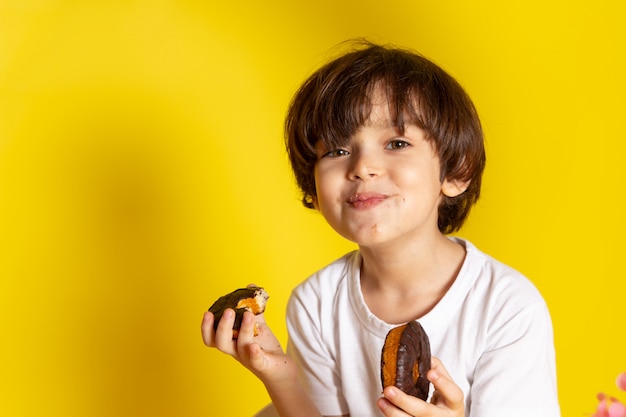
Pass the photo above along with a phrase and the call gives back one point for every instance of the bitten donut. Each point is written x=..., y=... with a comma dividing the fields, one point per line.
x=243, y=299
x=405, y=359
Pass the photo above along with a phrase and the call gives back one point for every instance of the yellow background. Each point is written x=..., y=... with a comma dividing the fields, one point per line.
x=142, y=175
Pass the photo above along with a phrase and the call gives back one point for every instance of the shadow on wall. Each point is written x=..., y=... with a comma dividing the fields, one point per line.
x=104, y=195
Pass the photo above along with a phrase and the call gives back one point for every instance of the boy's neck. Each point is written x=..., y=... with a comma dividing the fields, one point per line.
x=403, y=284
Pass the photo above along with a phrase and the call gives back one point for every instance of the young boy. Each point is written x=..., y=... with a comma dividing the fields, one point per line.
x=389, y=149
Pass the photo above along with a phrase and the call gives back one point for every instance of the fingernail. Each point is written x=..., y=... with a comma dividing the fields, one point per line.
x=434, y=375
x=390, y=392
x=383, y=404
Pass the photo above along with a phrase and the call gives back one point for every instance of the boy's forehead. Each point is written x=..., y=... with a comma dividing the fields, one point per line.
x=380, y=103
x=381, y=117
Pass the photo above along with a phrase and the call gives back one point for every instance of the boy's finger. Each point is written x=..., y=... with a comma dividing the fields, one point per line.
x=246, y=331
x=395, y=400
x=248, y=346
x=446, y=391
x=436, y=364
x=224, y=332
x=207, y=329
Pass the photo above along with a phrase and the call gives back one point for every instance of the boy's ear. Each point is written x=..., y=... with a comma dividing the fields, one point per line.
x=453, y=188
x=314, y=202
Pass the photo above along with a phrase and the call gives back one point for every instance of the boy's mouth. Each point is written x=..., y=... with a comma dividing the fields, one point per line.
x=365, y=200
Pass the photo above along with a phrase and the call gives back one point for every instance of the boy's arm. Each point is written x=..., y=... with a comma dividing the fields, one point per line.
x=265, y=358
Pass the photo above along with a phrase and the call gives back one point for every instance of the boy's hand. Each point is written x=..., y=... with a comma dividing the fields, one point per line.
x=261, y=354
x=447, y=400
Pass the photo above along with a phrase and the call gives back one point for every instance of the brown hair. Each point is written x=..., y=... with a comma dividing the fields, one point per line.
x=336, y=100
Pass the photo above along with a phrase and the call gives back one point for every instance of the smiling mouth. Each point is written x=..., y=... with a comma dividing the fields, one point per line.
x=365, y=200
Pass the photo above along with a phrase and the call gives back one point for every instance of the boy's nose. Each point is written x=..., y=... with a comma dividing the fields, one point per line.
x=364, y=166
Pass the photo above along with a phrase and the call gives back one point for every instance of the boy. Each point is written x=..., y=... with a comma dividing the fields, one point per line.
x=389, y=149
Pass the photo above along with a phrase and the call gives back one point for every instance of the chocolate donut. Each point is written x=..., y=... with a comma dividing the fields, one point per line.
x=405, y=360
x=243, y=299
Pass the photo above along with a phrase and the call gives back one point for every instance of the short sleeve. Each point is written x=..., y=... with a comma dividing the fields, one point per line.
x=316, y=362
x=516, y=376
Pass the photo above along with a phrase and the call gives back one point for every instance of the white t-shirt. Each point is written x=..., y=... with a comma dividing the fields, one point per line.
x=491, y=330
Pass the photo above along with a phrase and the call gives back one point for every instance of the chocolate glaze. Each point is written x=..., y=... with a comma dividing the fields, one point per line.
x=231, y=300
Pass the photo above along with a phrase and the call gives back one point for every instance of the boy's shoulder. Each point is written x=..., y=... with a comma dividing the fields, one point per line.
x=495, y=276
x=479, y=259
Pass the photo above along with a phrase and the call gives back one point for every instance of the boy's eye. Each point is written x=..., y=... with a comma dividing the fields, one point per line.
x=397, y=144
x=336, y=153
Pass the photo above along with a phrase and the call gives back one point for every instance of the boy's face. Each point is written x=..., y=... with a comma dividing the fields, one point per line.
x=382, y=188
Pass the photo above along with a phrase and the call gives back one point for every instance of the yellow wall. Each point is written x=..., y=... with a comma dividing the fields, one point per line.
x=142, y=175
